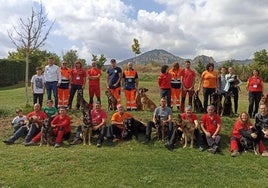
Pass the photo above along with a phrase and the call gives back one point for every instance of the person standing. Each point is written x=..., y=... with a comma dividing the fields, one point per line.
x=232, y=87
x=255, y=92
x=38, y=86
x=53, y=79
x=175, y=73
x=188, y=81
x=222, y=82
x=130, y=84
x=63, y=89
x=164, y=83
x=209, y=81
x=78, y=80
x=211, y=126
x=94, y=74
x=113, y=80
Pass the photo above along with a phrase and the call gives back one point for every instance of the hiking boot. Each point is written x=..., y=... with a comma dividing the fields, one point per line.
x=201, y=148
x=146, y=141
x=31, y=143
x=8, y=142
x=57, y=145
x=170, y=147
x=234, y=153
x=76, y=141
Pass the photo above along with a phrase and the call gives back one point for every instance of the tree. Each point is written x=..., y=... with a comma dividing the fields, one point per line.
x=136, y=48
x=200, y=67
x=70, y=57
x=261, y=58
x=30, y=35
x=100, y=61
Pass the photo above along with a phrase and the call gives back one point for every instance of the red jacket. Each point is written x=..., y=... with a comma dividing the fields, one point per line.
x=164, y=81
x=62, y=122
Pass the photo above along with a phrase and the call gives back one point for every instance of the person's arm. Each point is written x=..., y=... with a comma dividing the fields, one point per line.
x=217, y=130
x=107, y=80
x=84, y=80
x=119, y=79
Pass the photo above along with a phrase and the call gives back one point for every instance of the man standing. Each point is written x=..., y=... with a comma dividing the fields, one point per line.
x=130, y=83
x=113, y=79
x=53, y=79
x=188, y=81
x=94, y=74
x=63, y=89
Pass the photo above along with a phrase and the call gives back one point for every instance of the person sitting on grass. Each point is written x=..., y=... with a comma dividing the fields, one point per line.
x=243, y=137
x=61, y=128
x=19, y=121
x=211, y=126
x=99, y=118
x=31, y=128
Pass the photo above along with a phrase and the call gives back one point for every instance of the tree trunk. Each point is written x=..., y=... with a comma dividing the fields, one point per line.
x=27, y=78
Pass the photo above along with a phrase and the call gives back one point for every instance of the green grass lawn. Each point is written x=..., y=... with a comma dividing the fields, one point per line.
x=127, y=164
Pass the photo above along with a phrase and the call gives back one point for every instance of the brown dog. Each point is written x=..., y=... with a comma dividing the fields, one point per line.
x=81, y=102
x=188, y=130
x=87, y=127
x=112, y=102
x=160, y=128
x=145, y=101
x=216, y=102
x=47, y=136
x=138, y=99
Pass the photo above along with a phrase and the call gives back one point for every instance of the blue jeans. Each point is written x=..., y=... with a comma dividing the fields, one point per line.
x=52, y=87
x=34, y=130
x=22, y=131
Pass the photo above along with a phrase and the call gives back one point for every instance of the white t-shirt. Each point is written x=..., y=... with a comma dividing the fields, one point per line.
x=17, y=120
x=38, y=84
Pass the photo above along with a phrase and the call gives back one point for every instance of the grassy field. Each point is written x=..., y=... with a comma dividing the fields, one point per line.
x=127, y=164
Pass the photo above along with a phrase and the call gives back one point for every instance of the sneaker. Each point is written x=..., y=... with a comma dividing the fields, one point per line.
x=8, y=142
x=57, y=145
x=234, y=153
x=212, y=150
x=31, y=143
x=170, y=147
x=264, y=154
x=98, y=145
x=76, y=141
x=110, y=142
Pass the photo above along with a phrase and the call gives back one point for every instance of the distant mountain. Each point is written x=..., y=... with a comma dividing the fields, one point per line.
x=163, y=57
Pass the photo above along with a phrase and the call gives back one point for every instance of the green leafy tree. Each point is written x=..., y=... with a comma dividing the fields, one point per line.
x=261, y=58
x=30, y=35
x=70, y=57
x=200, y=67
x=136, y=48
x=100, y=61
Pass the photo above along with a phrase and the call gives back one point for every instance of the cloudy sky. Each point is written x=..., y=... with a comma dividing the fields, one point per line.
x=223, y=29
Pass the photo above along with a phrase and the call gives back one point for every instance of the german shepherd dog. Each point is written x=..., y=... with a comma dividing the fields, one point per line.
x=198, y=107
x=87, y=127
x=47, y=136
x=216, y=102
x=160, y=128
x=112, y=102
x=187, y=129
x=145, y=101
x=129, y=129
x=227, y=105
x=81, y=102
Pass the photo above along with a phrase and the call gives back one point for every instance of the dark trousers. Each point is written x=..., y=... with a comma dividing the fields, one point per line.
x=52, y=87
x=74, y=88
x=254, y=100
x=168, y=131
x=207, y=94
x=22, y=131
x=167, y=94
x=38, y=98
x=235, y=92
x=101, y=133
x=34, y=130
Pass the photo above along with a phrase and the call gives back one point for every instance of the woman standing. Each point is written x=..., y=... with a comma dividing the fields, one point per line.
x=209, y=79
x=255, y=91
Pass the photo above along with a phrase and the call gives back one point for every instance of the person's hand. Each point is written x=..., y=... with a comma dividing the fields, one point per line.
x=253, y=135
x=207, y=134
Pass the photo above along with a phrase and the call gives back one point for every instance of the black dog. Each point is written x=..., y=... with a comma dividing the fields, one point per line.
x=198, y=107
x=129, y=129
x=227, y=105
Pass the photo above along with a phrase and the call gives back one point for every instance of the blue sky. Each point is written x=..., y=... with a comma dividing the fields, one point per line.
x=222, y=29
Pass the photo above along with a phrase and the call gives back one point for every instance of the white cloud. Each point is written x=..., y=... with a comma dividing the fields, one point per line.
x=223, y=29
